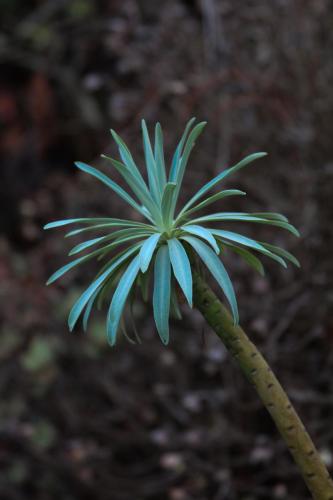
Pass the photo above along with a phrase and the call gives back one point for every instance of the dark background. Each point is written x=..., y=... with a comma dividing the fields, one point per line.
x=77, y=418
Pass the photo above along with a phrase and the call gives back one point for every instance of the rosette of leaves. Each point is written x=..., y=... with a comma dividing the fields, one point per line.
x=159, y=249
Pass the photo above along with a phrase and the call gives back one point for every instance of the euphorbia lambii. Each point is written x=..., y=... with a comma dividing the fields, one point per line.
x=166, y=251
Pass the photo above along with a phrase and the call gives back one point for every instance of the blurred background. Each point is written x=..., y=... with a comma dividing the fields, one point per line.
x=79, y=420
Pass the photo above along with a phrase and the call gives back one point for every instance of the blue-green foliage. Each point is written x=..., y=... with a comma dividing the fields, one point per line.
x=166, y=243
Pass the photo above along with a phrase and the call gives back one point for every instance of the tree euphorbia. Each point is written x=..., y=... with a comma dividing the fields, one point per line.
x=169, y=245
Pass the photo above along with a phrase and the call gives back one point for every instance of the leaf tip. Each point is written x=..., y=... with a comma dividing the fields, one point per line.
x=70, y=326
x=80, y=165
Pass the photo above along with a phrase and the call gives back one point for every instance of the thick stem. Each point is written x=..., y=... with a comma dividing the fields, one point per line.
x=258, y=372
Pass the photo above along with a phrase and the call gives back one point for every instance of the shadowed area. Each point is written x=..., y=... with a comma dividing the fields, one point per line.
x=79, y=419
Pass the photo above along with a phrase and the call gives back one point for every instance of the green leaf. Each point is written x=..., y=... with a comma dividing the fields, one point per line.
x=166, y=205
x=154, y=186
x=119, y=299
x=60, y=272
x=283, y=253
x=85, y=297
x=159, y=156
x=111, y=184
x=181, y=268
x=212, y=199
x=109, y=262
x=138, y=187
x=249, y=258
x=107, y=249
x=178, y=153
x=119, y=236
x=212, y=183
x=86, y=244
x=98, y=227
x=240, y=216
x=147, y=251
x=180, y=169
x=65, y=222
x=270, y=215
x=88, y=310
x=248, y=242
x=161, y=293
x=204, y=233
x=126, y=157
x=110, y=283
x=217, y=269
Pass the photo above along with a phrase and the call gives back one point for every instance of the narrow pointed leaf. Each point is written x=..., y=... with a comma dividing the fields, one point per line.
x=98, y=227
x=270, y=215
x=161, y=293
x=138, y=187
x=85, y=297
x=282, y=253
x=213, y=199
x=60, y=272
x=119, y=238
x=87, y=312
x=105, y=251
x=239, y=216
x=159, y=157
x=126, y=157
x=86, y=244
x=180, y=169
x=94, y=220
x=204, y=233
x=178, y=153
x=217, y=269
x=119, y=299
x=110, y=284
x=166, y=205
x=181, y=268
x=248, y=242
x=108, y=182
x=147, y=251
x=154, y=186
x=212, y=183
x=249, y=258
